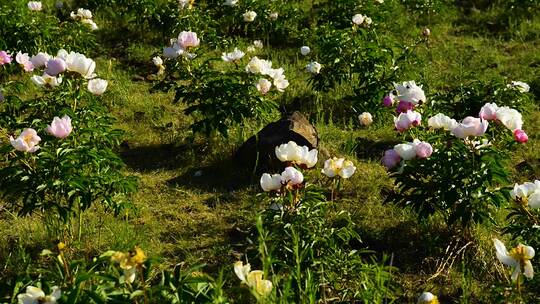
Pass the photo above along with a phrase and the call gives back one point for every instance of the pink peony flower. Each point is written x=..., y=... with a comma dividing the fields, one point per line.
x=5, y=58
x=488, y=111
x=404, y=106
x=470, y=126
x=60, y=128
x=405, y=120
x=423, y=149
x=520, y=136
x=388, y=101
x=391, y=158
x=188, y=39
x=27, y=141
x=55, y=66
x=24, y=61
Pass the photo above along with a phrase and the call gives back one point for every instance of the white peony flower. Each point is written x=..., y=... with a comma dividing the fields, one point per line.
x=488, y=111
x=271, y=182
x=292, y=153
x=334, y=167
x=313, y=67
x=258, y=44
x=34, y=295
x=441, y=121
x=233, y=56
x=410, y=92
x=263, y=86
x=292, y=177
x=427, y=298
x=230, y=2
x=27, y=141
x=365, y=119
x=281, y=83
x=305, y=50
x=406, y=151
x=259, y=66
x=97, y=86
x=34, y=6
x=518, y=258
x=520, y=86
x=78, y=63
x=46, y=80
x=249, y=16
x=510, y=118
x=358, y=19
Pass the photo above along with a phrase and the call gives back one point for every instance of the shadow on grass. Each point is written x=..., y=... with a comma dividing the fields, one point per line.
x=225, y=175
x=373, y=149
x=158, y=156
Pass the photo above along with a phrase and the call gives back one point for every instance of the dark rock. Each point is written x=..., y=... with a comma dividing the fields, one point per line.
x=257, y=154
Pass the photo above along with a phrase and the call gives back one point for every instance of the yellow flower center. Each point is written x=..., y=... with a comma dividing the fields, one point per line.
x=519, y=254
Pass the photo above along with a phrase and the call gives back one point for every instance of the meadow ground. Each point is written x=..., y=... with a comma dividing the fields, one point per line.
x=193, y=207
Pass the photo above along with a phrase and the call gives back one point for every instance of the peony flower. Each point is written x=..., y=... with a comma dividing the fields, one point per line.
x=388, y=100
x=365, y=119
x=528, y=192
x=174, y=50
x=292, y=153
x=34, y=5
x=188, y=39
x=60, y=128
x=253, y=279
x=404, y=106
x=488, y=111
x=338, y=167
x=78, y=63
x=441, y=121
x=183, y=4
x=230, y=2
x=391, y=158
x=510, y=118
x=46, y=80
x=24, y=61
x=518, y=258
x=35, y=295
x=520, y=136
x=5, y=58
x=157, y=61
x=55, y=66
x=263, y=86
x=281, y=83
x=273, y=16
x=129, y=262
x=40, y=59
x=427, y=298
x=313, y=67
x=259, y=66
x=258, y=44
x=91, y=23
x=249, y=16
x=358, y=19
x=405, y=120
x=97, y=86
x=470, y=126
x=367, y=21
x=292, y=177
x=233, y=56
x=423, y=149
x=27, y=141
x=271, y=182
x=520, y=86
x=305, y=50
x=406, y=151
x=426, y=32
x=409, y=91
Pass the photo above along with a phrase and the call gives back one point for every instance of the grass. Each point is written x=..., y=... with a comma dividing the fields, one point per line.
x=182, y=218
